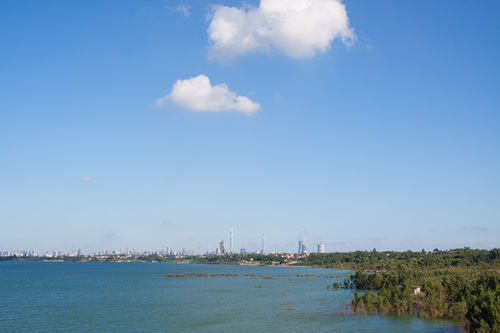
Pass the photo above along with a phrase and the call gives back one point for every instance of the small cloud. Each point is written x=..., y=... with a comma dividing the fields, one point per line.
x=110, y=235
x=298, y=28
x=86, y=179
x=197, y=94
x=476, y=227
x=167, y=222
x=183, y=8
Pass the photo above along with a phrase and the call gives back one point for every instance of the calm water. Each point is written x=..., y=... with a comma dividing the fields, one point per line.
x=135, y=297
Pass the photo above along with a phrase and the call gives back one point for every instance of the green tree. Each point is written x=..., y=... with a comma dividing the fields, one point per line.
x=484, y=304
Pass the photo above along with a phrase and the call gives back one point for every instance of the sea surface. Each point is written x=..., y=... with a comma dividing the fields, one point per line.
x=140, y=297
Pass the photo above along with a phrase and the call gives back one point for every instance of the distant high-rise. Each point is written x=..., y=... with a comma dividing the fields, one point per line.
x=263, y=245
x=222, y=247
x=231, y=241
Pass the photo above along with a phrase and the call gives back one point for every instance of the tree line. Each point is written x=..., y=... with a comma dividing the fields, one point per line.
x=460, y=284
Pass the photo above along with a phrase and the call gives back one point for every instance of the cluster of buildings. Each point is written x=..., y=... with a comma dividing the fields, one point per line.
x=103, y=253
x=220, y=250
x=31, y=253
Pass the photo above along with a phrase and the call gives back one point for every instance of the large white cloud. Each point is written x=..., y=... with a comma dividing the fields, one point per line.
x=299, y=28
x=197, y=94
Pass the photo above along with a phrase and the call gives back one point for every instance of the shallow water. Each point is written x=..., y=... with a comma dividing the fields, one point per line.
x=136, y=297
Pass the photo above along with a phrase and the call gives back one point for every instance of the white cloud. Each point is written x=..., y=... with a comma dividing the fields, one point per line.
x=86, y=179
x=299, y=28
x=184, y=8
x=197, y=94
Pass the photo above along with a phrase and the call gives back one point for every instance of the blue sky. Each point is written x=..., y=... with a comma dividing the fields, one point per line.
x=366, y=124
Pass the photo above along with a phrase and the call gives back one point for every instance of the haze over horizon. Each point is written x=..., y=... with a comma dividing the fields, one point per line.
x=166, y=123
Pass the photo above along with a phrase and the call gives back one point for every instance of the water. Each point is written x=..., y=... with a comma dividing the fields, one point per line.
x=136, y=297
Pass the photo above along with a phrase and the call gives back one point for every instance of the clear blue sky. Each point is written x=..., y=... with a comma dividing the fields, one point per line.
x=145, y=124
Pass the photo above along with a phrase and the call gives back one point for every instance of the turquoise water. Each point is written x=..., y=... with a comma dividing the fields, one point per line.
x=136, y=297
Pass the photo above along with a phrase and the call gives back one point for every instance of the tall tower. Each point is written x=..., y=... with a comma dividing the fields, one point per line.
x=231, y=241
x=263, y=245
x=300, y=247
x=222, y=247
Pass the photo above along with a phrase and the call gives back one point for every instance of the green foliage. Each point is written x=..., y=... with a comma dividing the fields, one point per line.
x=259, y=259
x=453, y=283
x=455, y=292
x=74, y=259
x=484, y=304
x=390, y=260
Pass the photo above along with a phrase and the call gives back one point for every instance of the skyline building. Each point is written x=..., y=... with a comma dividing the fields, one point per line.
x=231, y=241
x=222, y=247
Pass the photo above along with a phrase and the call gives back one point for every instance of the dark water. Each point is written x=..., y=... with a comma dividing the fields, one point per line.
x=135, y=297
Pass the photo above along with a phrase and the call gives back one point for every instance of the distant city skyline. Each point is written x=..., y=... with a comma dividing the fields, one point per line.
x=166, y=123
x=220, y=250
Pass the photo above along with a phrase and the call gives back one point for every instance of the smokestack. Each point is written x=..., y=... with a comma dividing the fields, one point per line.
x=263, y=245
x=321, y=247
